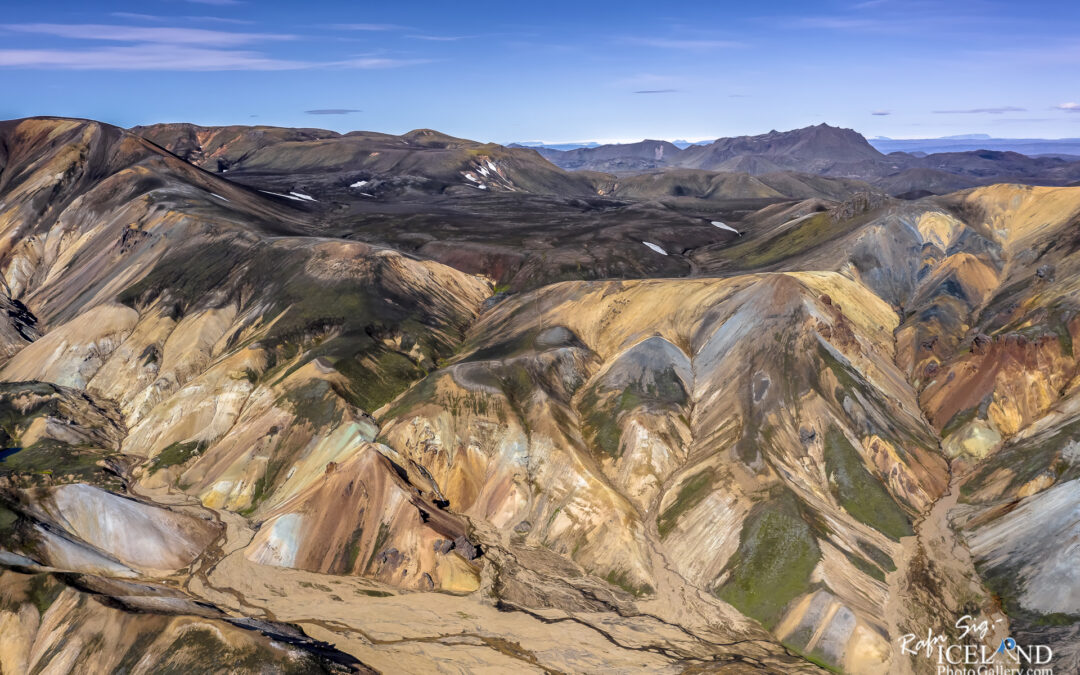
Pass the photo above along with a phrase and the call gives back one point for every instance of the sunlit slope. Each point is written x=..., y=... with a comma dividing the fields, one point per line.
x=212, y=414
x=664, y=433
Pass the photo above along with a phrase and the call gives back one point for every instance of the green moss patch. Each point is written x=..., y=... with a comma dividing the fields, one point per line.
x=16, y=416
x=354, y=323
x=858, y=491
x=47, y=460
x=772, y=566
x=879, y=557
x=8, y=518
x=265, y=483
x=313, y=402
x=202, y=646
x=849, y=379
x=517, y=345
x=602, y=408
x=51, y=461
x=811, y=232
x=958, y=420
x=1027, y=459
x=350, y=553
x=43, y=592
x=420, y=393
x=381, y=538
x=814, y=658
x=691, y=493
x=370, y=387
x=176, y=454
x=622, y=580
x=865, y=566
x=187, y=275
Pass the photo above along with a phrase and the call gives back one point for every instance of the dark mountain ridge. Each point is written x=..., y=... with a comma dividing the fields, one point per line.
x=828, y=151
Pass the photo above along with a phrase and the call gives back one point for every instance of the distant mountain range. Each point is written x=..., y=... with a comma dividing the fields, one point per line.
x=842, y=153
x=425, y=162
x=1034, y=147
x=780, y=164
x=957, y=143
x=679, y=143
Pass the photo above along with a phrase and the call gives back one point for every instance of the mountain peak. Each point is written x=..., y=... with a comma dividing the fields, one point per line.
x=820, y=143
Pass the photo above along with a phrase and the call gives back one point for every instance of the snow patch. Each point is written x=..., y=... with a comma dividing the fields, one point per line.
x=722, y=226
x=278, y=194
x=655, y=247
x=295, y=196
x=359, y=184
x=491, y=165
x=214, y=194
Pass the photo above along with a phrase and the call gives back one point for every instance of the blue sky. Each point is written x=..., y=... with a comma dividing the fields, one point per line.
x=553, y=71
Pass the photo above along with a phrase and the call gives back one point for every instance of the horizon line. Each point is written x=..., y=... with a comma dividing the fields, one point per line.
x=597, y=141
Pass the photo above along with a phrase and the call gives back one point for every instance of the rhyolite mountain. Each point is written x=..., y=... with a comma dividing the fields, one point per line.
x=292, y=401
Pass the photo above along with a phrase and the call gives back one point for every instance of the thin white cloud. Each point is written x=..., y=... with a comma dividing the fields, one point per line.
x=217, y=3
x=834, y=23
x=880, y=113
x=373, y=63
x=692, y=45
x=220, y=19
x=895, y=20
x=368, y=26
x=137, y=17
x=134, y=16
x=174, y=58
x=148, y=34
x=440, y=38
x=1068, y=107
x=978, y=111
x=143, y=57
